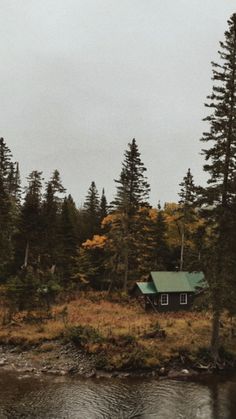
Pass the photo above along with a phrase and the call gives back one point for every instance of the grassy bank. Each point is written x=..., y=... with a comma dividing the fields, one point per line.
x=119, y=333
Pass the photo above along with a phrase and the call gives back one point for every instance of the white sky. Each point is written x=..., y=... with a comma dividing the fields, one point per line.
x=80, y=78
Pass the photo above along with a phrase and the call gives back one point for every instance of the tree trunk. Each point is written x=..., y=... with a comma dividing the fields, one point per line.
x=215, y=335
x=26, y=255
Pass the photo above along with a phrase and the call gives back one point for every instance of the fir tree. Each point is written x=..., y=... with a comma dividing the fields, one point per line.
x=186, y=214
x=132, y=193
x=69, y=238
x=31, y=220
x=9, y=205
x=56, y=184
x=51, y=213
x=6, y=229
x=5, y=163
x=132, y=186
x=103, y=206
x=221, y=167
x=92, y=211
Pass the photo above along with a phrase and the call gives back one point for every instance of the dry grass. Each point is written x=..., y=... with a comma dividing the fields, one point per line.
x=184, y=331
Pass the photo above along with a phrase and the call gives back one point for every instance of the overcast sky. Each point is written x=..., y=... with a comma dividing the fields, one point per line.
x=81, y=78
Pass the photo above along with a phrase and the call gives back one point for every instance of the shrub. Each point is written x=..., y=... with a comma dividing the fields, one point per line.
x=123, y=340
x=136, y=359
x=82, y=335
x=101, y=361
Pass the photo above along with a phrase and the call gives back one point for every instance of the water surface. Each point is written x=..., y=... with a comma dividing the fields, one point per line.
x=62, y=397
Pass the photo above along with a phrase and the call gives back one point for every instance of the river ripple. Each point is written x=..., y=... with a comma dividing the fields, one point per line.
x=57, y=398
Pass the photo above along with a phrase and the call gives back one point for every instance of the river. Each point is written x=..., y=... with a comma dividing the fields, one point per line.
x=62, y=397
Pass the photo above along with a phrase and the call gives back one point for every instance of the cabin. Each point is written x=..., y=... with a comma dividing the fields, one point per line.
x=170, y=291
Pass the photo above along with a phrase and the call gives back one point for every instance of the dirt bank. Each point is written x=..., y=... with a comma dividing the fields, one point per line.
x=57, y=358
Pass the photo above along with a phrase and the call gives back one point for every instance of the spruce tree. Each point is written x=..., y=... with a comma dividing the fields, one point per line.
x=220, y=165
x=92, y=211
x=186, y=212
x=132, y=186
x=51, y=210
x=31, y=220
x=103, y=206
x=69, y=239
x=5, y=229
x=9, y=206
x=5, y=162
x=132, y=193
x=56, y=184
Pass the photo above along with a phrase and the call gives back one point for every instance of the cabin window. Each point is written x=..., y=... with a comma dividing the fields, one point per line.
x=183, y=299
x=164, y=299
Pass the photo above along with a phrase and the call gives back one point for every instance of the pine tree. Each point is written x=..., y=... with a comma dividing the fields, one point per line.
x=31, y=220
x=103, y=206
x=51, y=210
x=5, y=230
x=9, y=206
x=221, y=167
x=69, y=239
x=56, y=184
x=92, y=211
x=5, y=162
x=132, y=193
x=186, y=214
x=132, y=186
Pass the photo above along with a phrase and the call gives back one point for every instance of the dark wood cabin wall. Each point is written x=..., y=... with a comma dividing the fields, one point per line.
x=174, y=302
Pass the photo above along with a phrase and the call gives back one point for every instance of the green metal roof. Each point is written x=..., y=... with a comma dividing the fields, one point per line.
x=147, y=287
x=177, y=281
x=196, y=280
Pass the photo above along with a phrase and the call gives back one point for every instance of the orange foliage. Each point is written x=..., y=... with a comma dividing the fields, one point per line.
x=97, y=242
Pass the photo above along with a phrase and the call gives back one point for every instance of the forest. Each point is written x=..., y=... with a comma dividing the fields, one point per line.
x=49, y=246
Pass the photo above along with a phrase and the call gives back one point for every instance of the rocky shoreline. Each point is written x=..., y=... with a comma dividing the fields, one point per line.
x=62, y=360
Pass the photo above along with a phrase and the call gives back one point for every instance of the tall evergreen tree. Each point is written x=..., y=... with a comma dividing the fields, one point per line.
x=186, y=214
x=5, y=162
x=132, y=193
x=132, y=186
x=9, y=205
x=51, y=211
x=69, y=238
x=5, y=230
x=31, y=220
x=56, y=184
x=92, y=211
x=221, y=168
x=103, y=206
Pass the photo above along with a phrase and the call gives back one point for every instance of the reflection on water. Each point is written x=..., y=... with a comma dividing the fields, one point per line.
x=27, y=397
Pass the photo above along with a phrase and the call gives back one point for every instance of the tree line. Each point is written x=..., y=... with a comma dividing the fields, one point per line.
x=48, y=245
x=100, y=245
